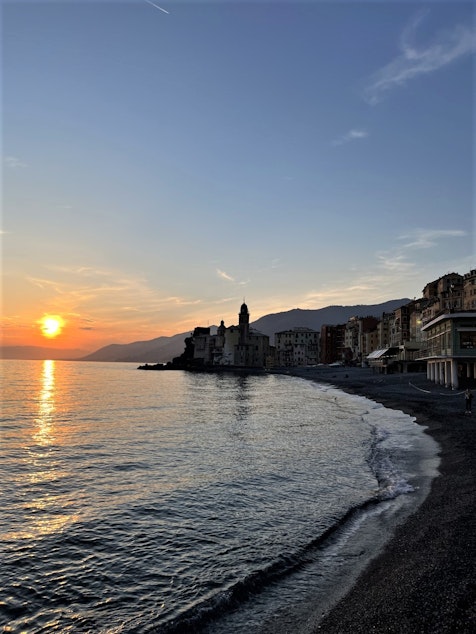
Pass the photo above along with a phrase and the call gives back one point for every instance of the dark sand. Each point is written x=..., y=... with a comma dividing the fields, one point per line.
x=425, y=579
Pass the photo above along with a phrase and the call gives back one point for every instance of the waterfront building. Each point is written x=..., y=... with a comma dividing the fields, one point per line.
x=355, y=340
x=297, y=347
x=469, y=290
x=437, y=331
x=203, y=345
x=450, y=351
x=237, y=346
x=445, y=293
x=332, y=343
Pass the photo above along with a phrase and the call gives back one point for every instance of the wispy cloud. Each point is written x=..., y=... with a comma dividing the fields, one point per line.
x=446, y=47
x=352, y=135
x=75, y=288
x=427, y=238
x=399, y=271
x=398, y=258
x=181, y=301
x=339, y=293
x=225, y=276
x=13, y=162
x=394, y=262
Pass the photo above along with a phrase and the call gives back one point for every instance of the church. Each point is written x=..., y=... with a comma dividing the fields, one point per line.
x=233, y=346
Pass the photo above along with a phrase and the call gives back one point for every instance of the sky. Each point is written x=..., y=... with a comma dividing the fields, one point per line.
x=164, y=161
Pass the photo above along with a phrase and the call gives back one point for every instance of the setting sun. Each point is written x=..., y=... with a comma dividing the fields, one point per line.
x=51, y=325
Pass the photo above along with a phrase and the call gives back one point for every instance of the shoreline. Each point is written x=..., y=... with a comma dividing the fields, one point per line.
x=423, y=580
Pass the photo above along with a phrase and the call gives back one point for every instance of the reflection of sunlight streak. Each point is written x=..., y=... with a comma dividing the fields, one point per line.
x=46, y=405
x=43, y=522
x=44, y=503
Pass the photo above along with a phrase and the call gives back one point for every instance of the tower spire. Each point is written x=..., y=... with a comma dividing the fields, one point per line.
x=244, y=323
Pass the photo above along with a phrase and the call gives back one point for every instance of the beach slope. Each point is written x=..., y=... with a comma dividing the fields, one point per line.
x=425, y=578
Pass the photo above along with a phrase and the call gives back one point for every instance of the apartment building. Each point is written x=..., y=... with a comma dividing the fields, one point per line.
x=297, y=347
x=445, y=293
x=469, y=290
x=332, y=343
x=450, y=351
x=355, y=341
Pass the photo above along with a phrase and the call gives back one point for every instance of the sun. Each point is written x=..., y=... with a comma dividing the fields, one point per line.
x=51, y=325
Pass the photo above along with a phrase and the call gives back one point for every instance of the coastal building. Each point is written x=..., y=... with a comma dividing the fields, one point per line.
x=384, y=328
x=370, y=343
x=469, y=290
x=444, y=294
x=436, y=332
x=332, y=343
x=355, y=340
x=382, y=356
x=450, y=351
x=297, y=347
x=237, y=346
x=203, y=345
x=416, y=320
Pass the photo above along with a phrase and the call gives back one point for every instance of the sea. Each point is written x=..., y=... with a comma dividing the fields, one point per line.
x=166, y=502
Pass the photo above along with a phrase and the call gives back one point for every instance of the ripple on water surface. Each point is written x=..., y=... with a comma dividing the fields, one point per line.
x=134, y=500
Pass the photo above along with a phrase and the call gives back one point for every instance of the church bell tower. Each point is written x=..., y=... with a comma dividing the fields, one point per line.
x=244, y=324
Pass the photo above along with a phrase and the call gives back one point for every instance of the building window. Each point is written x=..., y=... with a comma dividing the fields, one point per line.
x=467, y=340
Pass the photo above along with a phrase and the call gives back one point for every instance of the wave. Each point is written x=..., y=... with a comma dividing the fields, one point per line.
x=391, y=484
x=391, y=481
x=195, y=618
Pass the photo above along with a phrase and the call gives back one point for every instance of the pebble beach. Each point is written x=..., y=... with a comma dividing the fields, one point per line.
x=425, y=578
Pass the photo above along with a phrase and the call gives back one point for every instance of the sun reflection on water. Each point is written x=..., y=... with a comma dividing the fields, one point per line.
x=46, y=409
x=44, y=502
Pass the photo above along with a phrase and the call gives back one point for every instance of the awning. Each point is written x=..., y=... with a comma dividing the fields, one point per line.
x=386, y=352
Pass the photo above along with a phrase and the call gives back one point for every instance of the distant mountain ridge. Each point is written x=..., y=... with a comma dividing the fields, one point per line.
x=164, y=349
x=38, y=353
x=158, y=350
x=315, y=319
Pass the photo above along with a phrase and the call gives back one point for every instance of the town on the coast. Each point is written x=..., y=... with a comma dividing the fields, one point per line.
x=435, y=333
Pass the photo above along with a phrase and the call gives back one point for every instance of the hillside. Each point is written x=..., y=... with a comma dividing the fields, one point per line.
x=39, y=353
x=158, y=350
x=164, y=349
x=315, y=319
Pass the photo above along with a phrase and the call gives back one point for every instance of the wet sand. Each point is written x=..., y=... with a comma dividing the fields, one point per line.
x=425, y=578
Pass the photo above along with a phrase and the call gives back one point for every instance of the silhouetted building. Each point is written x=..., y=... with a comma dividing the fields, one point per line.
x=332, y=343
x=237, y=346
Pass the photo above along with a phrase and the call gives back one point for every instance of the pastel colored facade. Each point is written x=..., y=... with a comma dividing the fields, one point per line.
x=409, y=338
x=297, y=347
x=436, y=332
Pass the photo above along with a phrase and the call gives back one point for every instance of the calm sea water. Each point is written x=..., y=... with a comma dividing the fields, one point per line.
x=174, y=502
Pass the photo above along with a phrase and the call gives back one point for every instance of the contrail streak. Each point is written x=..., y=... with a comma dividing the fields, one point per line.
x=157, y=7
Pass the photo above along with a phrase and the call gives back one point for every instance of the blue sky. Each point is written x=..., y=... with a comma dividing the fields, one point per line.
x=164, y=160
